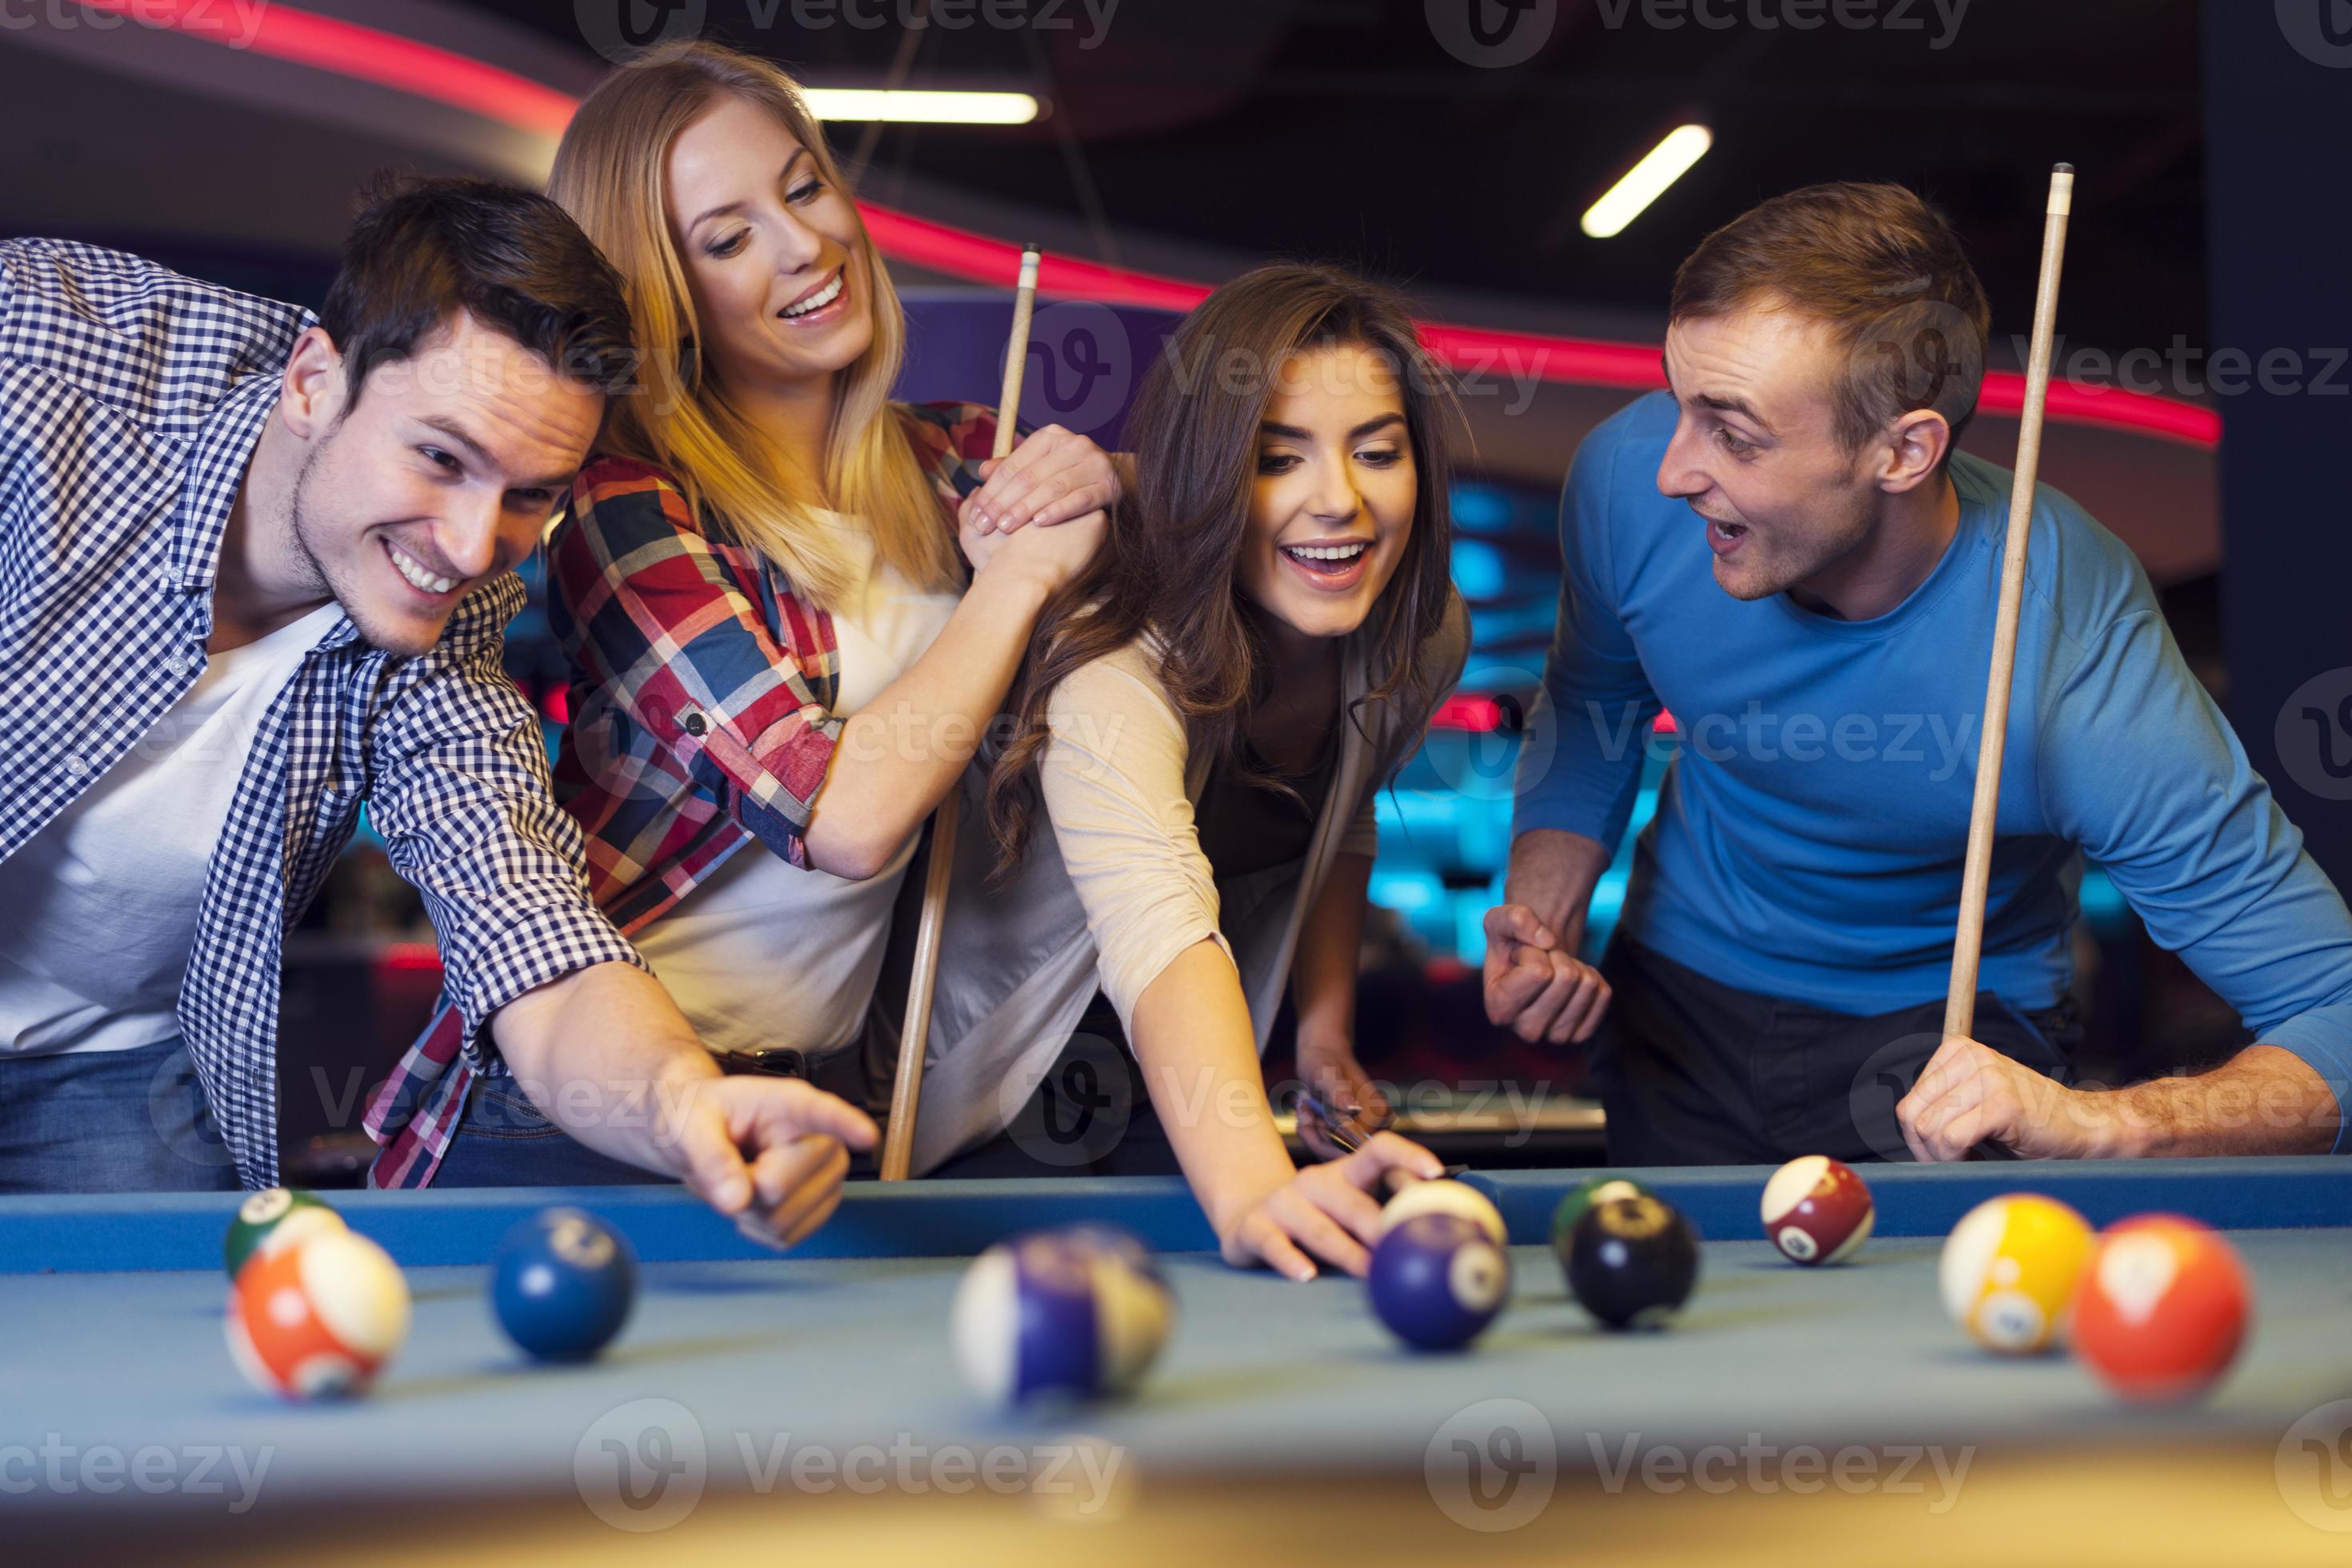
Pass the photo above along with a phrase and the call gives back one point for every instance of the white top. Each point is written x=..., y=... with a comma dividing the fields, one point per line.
x=762, y=953
x=1115, y=886
x=98, y=912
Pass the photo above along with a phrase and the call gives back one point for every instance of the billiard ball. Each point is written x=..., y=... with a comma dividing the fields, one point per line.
x=317, y=1318
x=1816, y=1210
x=1579, y=1203
x=1053, y=1316
x=562, y=1284
x=1438, y=1280
x=2010, y=1269
x=1631, y=1261
x=2164, y=1306
x=1455, y=1199
x=285, y=1213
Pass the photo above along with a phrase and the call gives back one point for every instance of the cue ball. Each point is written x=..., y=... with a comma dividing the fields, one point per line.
x=1451, y=1198
x=1437, y=1280
x=276, y=1218
x=1057, y=1315
x=562, y=1284
x=317, y=1318
x=1633, y=1261
x=1816, y=1210
x=2010, y=1269
x=2163, y=1309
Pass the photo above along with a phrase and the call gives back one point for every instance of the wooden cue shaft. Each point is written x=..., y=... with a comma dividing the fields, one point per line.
x=1968, y=945
x=906, y=1086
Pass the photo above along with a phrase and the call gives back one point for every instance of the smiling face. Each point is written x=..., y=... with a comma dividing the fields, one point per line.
x=440, y=477
x=1756, y=451
x=774, y=253
x=1332, y=508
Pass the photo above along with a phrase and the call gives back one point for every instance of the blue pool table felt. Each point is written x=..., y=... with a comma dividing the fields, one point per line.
x=1259, y=1375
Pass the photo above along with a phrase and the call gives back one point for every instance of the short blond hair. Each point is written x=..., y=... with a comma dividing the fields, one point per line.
x=1878, y=267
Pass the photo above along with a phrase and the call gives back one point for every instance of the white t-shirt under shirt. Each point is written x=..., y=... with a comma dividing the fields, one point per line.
x=98, y=911
x=762, y=953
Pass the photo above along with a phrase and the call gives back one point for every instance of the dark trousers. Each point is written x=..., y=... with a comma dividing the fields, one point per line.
x=1693, y=1072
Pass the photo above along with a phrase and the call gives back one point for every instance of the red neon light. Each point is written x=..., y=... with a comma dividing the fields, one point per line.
x=1479, y=715
x=370, y=54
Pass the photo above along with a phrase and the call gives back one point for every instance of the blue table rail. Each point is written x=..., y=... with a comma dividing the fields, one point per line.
x=1723, y=1201
x=70, y=1235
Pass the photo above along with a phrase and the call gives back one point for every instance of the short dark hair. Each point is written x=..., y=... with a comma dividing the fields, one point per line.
x=1886, y=274
x=421, y=250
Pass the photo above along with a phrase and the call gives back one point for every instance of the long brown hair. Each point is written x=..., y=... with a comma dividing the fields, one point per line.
x=611, y=175
x=1170, y=564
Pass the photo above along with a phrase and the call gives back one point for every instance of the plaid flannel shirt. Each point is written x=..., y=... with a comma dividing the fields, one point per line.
x=701, y=718
x=131, y=400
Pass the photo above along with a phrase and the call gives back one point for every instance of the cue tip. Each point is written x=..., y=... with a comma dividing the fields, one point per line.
x=2064, y=169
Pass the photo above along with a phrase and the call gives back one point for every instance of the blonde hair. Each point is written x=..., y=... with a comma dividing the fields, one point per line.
x=611, y=175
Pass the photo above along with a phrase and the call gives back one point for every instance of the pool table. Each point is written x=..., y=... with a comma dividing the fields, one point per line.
x=811, y=1402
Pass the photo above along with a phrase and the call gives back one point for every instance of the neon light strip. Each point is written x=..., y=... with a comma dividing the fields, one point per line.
x=443, y=76
x=364, y=54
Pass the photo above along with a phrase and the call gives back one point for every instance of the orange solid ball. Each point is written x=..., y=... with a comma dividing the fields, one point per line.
x=2164, y=1307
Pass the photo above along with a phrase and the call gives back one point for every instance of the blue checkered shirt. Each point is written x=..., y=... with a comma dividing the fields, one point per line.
x=131, y=399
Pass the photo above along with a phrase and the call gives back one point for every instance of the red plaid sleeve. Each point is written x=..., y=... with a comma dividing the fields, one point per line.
x=664, y=623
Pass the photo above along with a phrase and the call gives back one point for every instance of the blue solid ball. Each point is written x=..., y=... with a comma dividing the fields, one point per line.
x=1437, y=1280
x=562, y=1284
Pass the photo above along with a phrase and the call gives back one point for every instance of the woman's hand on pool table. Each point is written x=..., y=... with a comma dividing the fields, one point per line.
x=1325, y=1211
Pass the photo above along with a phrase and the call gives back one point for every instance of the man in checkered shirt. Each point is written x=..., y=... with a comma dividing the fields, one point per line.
x=253, y=572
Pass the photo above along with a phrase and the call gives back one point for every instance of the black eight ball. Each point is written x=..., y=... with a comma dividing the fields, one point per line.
x=1633, y=1261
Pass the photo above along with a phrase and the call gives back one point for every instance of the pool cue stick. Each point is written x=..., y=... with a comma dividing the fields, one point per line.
x=1968, y=946
x=906, y=1089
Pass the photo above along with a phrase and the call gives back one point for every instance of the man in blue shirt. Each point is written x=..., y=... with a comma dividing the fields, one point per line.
x=254, y=568
x=1786, y=551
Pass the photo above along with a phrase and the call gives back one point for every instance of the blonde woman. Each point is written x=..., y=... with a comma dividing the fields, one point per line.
x=780, y=662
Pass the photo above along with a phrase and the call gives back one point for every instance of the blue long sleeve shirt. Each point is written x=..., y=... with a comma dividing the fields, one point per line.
x=1810, y=836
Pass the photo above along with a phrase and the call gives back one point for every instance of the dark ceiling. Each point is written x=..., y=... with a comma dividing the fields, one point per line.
x=1345, y=129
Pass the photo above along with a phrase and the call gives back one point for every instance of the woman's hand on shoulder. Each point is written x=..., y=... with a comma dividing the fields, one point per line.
x=1052, y=477
x=1048, y=557
x=1330, y=1212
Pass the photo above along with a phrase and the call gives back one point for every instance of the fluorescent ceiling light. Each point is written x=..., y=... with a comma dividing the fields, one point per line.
x=1647, y=181
x=923, y=108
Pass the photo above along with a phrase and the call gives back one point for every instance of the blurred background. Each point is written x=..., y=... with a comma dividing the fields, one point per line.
x=1531, y=170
